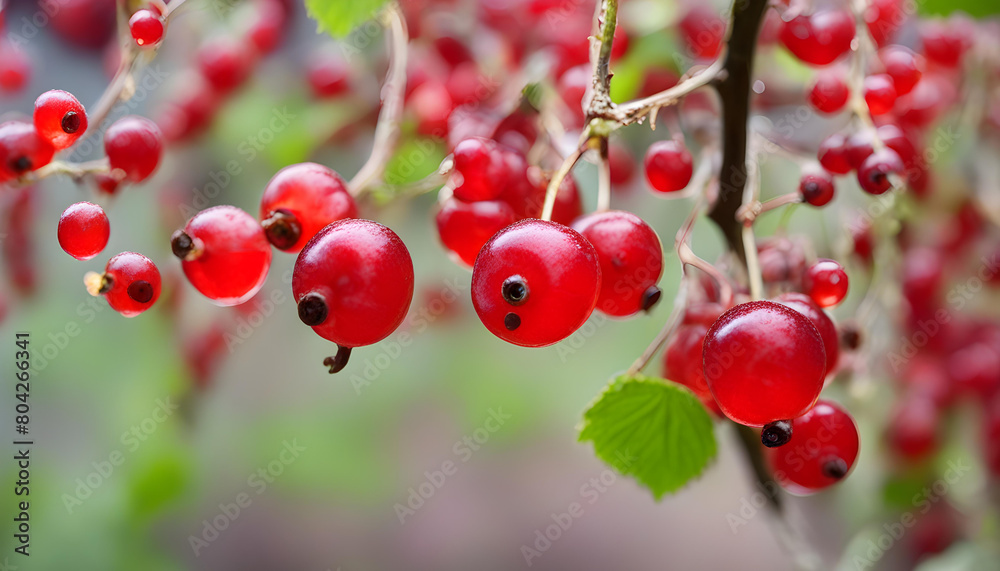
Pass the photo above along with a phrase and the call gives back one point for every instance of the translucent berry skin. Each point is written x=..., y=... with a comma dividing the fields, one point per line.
x=314, y=194
x=903, y=66
x=816, y=188
x=827, y=330
x=820, y=38
x=22, y=150
x=873, y=174
x=826, y=283
x=829, y=93
x=822, y=451
x=559, y=276
x=912, y=430
x=880, y=93
x=764, y=362
x=942, y=43
x=702, y=30
x=134, y=145
x=59, y=118
x=669, y=166
x=328, y=75
x=465, y=227
x=833, y=154
x=124, y=271
x=146, y=28
x=682, y=363
x=83, y=230
x=480, y=170
x=631, y=259
x=225, y=62
x=231, y=255
x=364, y=274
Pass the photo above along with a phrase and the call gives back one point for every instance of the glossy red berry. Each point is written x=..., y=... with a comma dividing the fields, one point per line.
x=225, y=254
x=832, y=154
x=816, y=188
x=883, y=18
x=880, y=93
x=146, y=27
x=130, y=283
x=785, y=374
x=299, y=201
x=820, y=38
x=621, y=164
x=480, y=170
x=134, y=145
x=826, y=283
x=83, y=230
x=328, y=74
x=669, y=166
x=59, y=118
x=15, y=69
x=942, y=43
x=829, y=92
x=903, y=66
x=225, y=62
x=353, y=282
x=464, y=227
x=682, y=363
x=631, y=259
x=431, y=104
x=873, y=174
x=824, y=325
x=22, y=150
x=702, y=30
x=535, y=283
x=821, y=452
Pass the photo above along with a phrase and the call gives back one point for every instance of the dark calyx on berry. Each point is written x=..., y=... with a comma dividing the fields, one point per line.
x=511, y=321
x=650, y=298
x=515, y=292
x=835, y=468
x=282, y=228
x=71, y=122
x=106, y=284
x=850, y=336
x=338, y=361
x=183, y=246
x=313, y=310
x=140, y=291
x=21, y=164
x=776, y=434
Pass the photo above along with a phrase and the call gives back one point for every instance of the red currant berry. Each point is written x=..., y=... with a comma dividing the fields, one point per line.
x=880, y=93
x=353, y=283
x=826, y=283
x=781, y=261
x=130, y=283
x=225, y=254
x=568, y=205
x=225, y=62
x=22, y=150
x=535, y=283
x=631, y=259
x=464, y=227
x=328, y=74
x=785, y=375
x=83, y=230
x=975, y=370
x=147, y=28
x=134, y=146
x=903, y=66
x=480, y=170
x=816, y=188
x=267, y=29
x=15, y=69
x=59, y=118
x=912, y=431
x=432, y=104
x=682, y=363
x=873, y=174
x=189, y=110
x=702, y=30
x=299, y=201
x=621, y=164
x=669, y=166
x=884, y=17
x=821, y=452
x=943, y=43
x=827, y=330
x=829, y=92
x=833, y=154
x=820, y=38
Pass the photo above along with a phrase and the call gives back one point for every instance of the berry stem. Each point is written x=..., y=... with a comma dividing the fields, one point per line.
x=389, y=118
x=628, y=113
x=674, y=321
x=557, y=178
x=603, y=178
x=73, y=170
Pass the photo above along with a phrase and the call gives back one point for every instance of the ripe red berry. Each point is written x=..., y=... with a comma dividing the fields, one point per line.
x=682, y=363
x=535, y=283
x=873, y=174
x=829, y=92
x=134, y=145
x=903, y=66
x=15, y=69
x=880, y=93
x=464, y=227
x=785, y=374
x=884, y=17
x=631, y=259
x=299, y=201
x=975, y=370
x=942, y=42
x=826, y=283
x=83, y=230
x=266, y=31
x=833, y=154
x=328, y=74
x=480, y=170
x=621, y=164
x=816, y=188
x=59, y=118
x=225, y=62
x=781, y=261
x=353, y=282
x=912, y=430
x=827, y=330
x=130, y=283
x=702, y=30
x=225, y=254
x=669, y=166
x=146, y=28
x=431, y=104
x=821, y=452
x=820, y=38
x=22, y=149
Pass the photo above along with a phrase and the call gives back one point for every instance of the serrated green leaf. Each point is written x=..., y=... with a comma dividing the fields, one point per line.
x=340, y=17
x=975, y=8
x=652, y=429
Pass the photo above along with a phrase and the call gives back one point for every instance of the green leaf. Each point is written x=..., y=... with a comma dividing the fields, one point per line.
x=975, y=8
x=340, y=17
x=652, y=429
